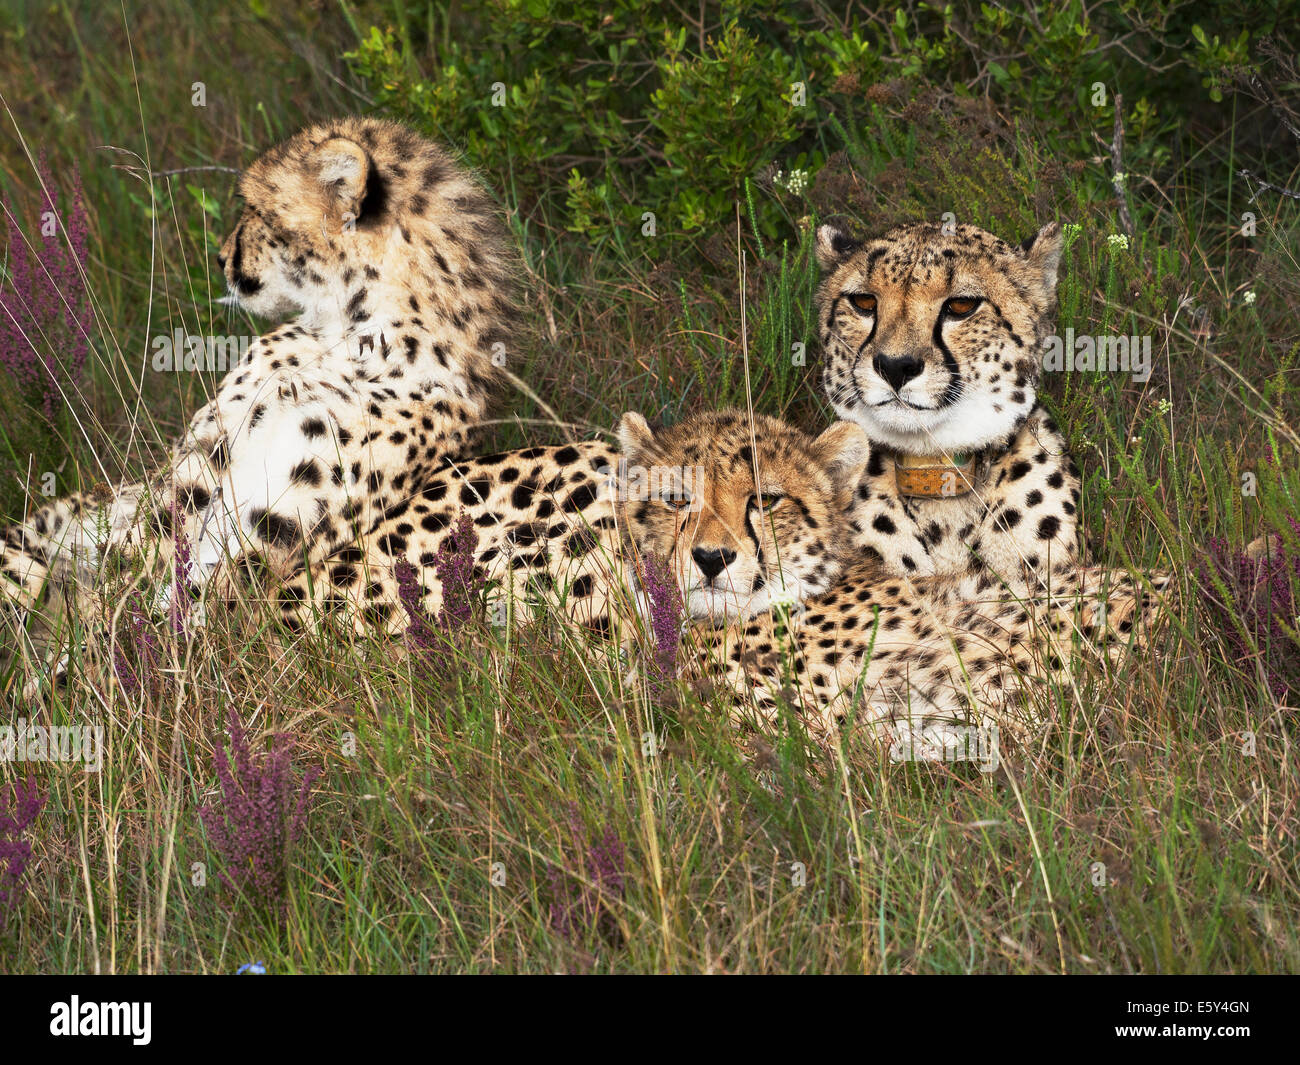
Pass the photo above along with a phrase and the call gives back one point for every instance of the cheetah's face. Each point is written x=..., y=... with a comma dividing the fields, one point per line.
x=257, y=273
x=747, y=518
x=931, y=341
x=304, y=227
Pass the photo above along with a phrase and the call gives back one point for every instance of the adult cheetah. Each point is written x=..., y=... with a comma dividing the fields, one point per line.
x=559, y=525
x=398, y=276
x=748, y=514
x=932, y=341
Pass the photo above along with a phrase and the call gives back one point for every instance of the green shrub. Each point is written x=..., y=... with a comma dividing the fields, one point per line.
x=599, y=114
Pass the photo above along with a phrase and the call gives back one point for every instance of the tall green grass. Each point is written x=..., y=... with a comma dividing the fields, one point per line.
x=1133, y=836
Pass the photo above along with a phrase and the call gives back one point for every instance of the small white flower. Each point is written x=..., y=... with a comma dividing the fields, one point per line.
x=1119, y=179
x=783, y=599
x=1118, y=241
x=1164, y=406
x=794, y=182
x=1248, y=297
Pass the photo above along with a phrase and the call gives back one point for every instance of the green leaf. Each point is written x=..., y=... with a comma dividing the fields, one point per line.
x=205, y=200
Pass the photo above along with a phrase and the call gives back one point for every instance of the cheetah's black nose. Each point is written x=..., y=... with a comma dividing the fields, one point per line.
x=897, y=370
x=712, y=560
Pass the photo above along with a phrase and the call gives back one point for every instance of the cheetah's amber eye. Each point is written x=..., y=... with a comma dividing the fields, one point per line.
x=766, y=500
x=863, y=301
x=961, y=306
x=675, y=502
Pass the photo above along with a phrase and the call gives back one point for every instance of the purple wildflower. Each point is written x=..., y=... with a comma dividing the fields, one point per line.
x=19, y=806
x=137, y=653
x=462, y=587
x=1259, y=608
x=454, y=564
x=46, y=315
x=258, y=820
x=182, y=596
x=665, y=603
x=591, y=877
x=419, y=630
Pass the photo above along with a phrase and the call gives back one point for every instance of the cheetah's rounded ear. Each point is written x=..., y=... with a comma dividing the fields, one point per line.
x=1043, y=254
x=634, y=434
x=342, y=169
x=844, y=449
x=834, y=246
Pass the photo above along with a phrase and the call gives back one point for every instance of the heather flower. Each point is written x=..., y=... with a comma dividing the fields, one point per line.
x=419, y=630
x=1259, y=607
x=45, y=311
x=19, y=806
x=462, y=588
x=454, y=563
x=664, y=602
x=261, y=814
x=182, y=597
x=137, y=653
x=590, y=877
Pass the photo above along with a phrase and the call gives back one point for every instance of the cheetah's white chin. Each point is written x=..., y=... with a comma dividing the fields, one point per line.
x=972, y=423
x=261, y=304
x=711, y=603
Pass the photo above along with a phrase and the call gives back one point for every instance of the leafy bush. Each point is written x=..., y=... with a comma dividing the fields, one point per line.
x=629, y=112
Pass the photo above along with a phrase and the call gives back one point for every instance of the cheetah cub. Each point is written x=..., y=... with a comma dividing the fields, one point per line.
x=932, y=343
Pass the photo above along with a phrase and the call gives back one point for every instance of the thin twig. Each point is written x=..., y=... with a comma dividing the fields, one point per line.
x=191, y=169
x=1249, y=176
x=1117, y=167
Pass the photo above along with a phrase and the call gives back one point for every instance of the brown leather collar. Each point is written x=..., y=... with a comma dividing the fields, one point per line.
x=935, y=476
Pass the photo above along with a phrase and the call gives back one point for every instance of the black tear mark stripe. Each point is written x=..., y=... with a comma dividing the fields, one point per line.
x=244, y=284
x=953, y=392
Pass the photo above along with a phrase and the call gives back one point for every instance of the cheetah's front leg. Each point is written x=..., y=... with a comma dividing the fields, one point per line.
x=268, y=489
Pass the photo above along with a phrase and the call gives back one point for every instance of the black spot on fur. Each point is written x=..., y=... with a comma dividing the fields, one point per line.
x=274, y=529
x=581, y=497
x=306, y=472
x=193, y=497
x=475, y=491
x=435, y=522
x=392, y=545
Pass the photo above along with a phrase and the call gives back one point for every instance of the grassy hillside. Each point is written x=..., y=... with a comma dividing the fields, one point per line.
x=527, y=806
